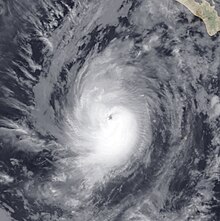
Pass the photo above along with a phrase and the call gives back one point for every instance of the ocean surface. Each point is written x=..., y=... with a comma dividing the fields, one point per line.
x=109, y=111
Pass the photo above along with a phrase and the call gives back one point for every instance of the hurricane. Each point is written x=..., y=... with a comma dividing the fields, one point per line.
x=109, y=111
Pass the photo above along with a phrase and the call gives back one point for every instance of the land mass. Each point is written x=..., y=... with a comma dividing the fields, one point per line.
x=206, y=12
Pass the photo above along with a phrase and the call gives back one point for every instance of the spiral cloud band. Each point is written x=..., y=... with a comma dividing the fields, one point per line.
x=109, y=111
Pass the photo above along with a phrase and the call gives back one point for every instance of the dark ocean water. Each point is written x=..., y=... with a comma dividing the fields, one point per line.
x=57, y=58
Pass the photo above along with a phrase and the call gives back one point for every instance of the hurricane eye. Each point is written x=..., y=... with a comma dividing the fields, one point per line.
x=110, y=117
